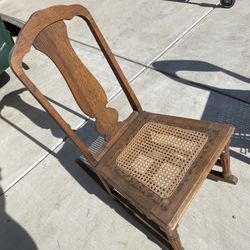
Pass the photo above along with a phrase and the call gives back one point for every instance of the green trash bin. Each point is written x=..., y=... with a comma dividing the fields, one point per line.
x=6, y=44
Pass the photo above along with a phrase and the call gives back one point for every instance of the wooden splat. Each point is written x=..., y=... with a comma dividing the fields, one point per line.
x=88, y=93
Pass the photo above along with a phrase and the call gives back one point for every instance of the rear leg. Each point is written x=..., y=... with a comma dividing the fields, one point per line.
x=226, y=174
x=225, y=164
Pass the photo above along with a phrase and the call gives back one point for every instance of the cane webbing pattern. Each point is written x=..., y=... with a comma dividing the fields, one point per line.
x=160, y=155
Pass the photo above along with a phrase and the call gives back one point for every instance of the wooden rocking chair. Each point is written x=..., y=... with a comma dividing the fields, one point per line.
x=153, y=164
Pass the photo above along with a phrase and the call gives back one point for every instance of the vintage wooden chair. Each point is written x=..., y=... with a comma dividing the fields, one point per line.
x=153, y=164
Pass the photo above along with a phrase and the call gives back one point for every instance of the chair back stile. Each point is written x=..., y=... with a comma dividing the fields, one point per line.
x=47, y=32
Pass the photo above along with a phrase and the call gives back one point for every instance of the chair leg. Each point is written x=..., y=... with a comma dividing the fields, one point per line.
x=95, y=176
x=174, y=239
x=226, y=174
x=225, y=163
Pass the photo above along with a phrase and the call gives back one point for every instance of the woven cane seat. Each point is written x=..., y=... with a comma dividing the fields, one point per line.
x=160, y=155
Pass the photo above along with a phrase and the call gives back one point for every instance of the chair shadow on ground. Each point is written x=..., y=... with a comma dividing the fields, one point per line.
x=218, y=108
x=68, y=153
x=208, y=5
x=4, y=79
x=12, y=235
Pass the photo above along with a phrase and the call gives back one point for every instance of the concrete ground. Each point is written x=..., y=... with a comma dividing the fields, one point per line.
x=187, y=59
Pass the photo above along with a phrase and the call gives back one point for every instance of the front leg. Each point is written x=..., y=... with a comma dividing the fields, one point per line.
x=174, y=239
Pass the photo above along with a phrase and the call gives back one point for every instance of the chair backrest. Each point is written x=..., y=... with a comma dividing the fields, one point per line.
x=47, y=32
